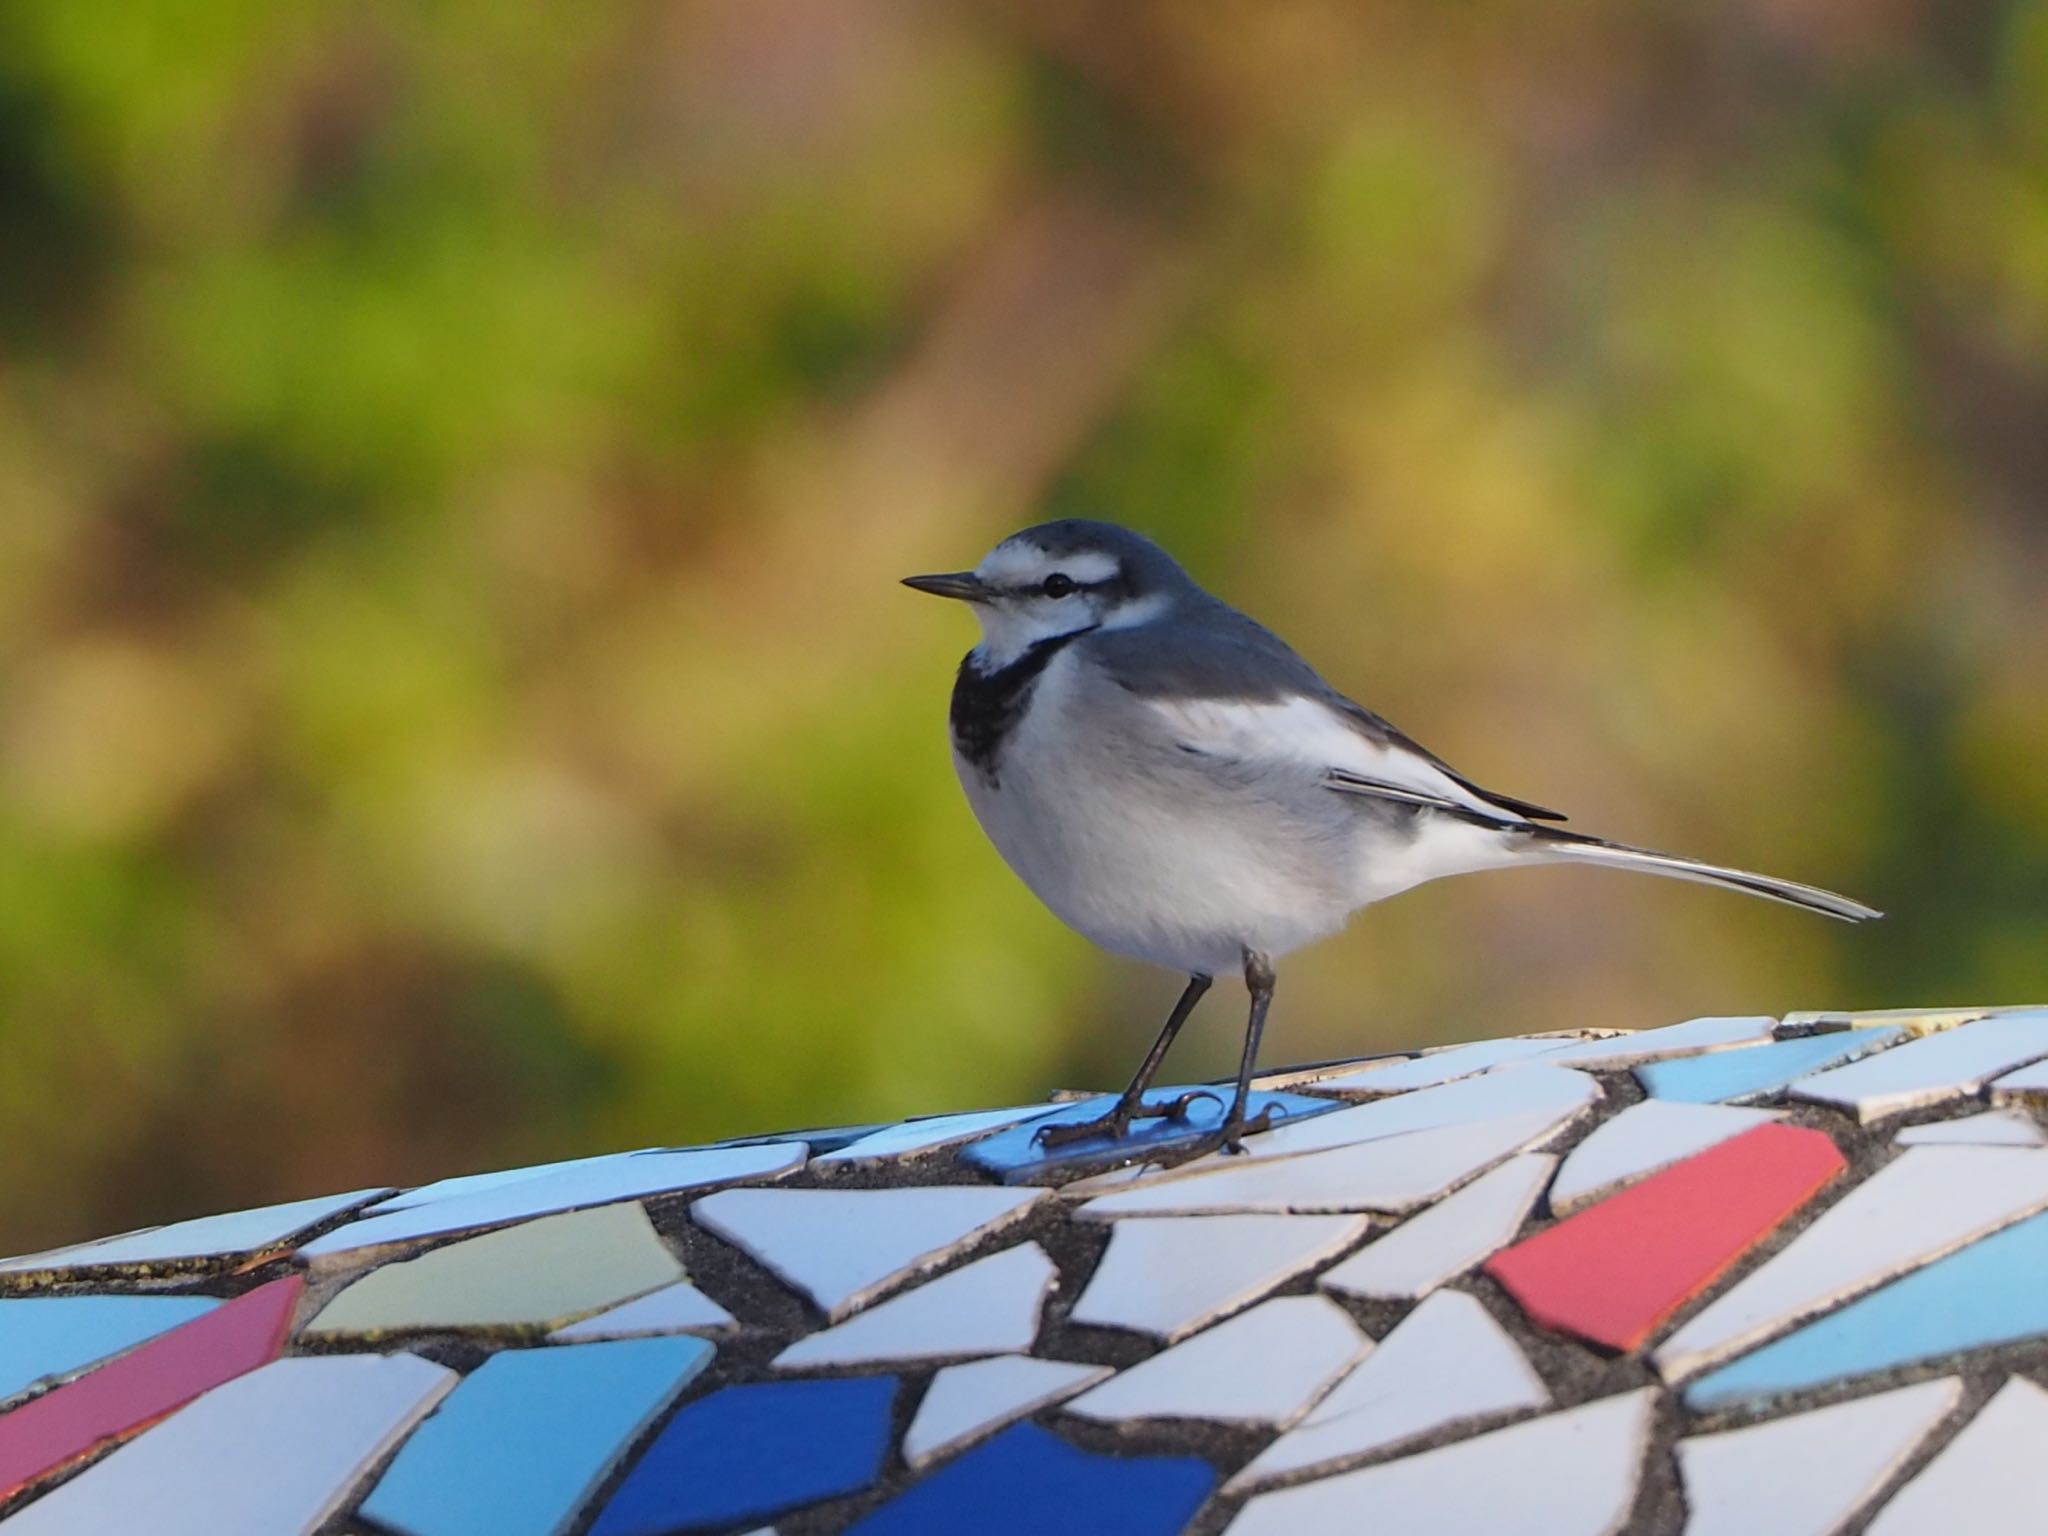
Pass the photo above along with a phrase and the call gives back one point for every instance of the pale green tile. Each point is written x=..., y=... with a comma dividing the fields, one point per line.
x=540, y=1273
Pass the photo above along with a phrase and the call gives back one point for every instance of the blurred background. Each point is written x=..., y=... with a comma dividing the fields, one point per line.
x=455, y=460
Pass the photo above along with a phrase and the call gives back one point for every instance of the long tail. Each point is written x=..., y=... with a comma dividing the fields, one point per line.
x=1574, y=847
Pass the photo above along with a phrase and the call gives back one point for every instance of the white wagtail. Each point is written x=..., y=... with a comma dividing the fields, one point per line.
x=1178, y=785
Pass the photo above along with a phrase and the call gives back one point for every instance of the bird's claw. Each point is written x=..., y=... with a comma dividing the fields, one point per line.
x=1234, y=1132
x=1116, y=1125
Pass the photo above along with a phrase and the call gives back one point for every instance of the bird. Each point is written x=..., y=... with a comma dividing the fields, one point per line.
x=1179, y=786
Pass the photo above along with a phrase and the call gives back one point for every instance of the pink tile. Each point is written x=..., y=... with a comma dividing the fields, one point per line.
x=141, y=1387
x=1615, y=1271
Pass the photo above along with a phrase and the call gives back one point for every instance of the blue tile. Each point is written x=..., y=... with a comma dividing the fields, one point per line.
x=517, y=1448
x=1720, y=1076
x=1992, y=1292
x=1016, y=1153
x=750, y=1452
x=48, y=1336
x=1029, y=1482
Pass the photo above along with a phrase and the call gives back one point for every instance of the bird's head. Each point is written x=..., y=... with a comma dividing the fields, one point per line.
x=1059, y=579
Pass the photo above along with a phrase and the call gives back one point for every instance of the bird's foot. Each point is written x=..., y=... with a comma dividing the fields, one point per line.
x=1237, y=1127
x=1116, y=1124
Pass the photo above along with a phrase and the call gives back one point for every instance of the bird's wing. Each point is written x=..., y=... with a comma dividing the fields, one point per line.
x=1227, y=688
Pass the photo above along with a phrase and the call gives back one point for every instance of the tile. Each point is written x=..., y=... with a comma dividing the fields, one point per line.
x=1029, y=1482
x=1016, y=1153
x=989, y=1307
x=1394, y=1173
x=313, y=1426
x=1731, y=1076
x=966, y=1402
x=1691, y=1038
x=928, y=1134
x=843, y=1247
x=1532, y=1090
x=1940, y=1067
x=1565, y=1474
x=1444, y=1240
x=597, y=1181
x=238, y=1234
x=1641, y=1139
x=1427, y=1071
x=1809, y=1474
x=1990, y=1292
x=1445, y=1362
x=2017, y=1087
x=1914, y=1022
x=464, y=1185
x=1924, y=1203
x=1990, y=1478
x=1613, y=1272
x=1993, y=1128
x=45, y=1337
x=677, y=1308
x=1264, y=1366
x=1169, y=1275
x=519, y=1447
x=536, y=1274
x=752, y=1452
x=143, y=1385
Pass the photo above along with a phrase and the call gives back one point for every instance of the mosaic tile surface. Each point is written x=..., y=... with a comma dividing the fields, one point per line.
x=1722, y=1276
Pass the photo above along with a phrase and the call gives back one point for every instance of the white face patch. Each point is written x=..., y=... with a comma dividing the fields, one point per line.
x=1023, y=564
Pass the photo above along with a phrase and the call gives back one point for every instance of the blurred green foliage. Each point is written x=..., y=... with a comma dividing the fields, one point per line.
x=455, y=706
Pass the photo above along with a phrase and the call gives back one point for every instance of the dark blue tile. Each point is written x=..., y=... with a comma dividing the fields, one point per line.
x=1016, y=1154
x=751, y=1452
x=1029, y=1482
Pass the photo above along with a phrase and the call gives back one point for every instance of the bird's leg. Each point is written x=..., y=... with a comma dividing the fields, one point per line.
x=1129, y=1105
x=1258, y=978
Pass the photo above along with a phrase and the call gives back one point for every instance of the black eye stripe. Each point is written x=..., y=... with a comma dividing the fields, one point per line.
x=1037, y=588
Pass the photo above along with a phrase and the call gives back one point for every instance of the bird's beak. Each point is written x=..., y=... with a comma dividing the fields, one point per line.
x=965, y=585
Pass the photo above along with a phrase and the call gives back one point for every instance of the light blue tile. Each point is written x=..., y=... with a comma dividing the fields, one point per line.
x=520, y=1445
x=1992, y=1292
x=49, y=1336
x=1016, y=1153
x=1721, y=1076
x=488, y=1200
x=237, y=1232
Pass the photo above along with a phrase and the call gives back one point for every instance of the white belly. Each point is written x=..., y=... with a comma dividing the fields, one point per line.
x=1151, y=855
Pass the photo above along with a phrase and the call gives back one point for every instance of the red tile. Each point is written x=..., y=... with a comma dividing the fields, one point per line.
x=1615, y=1271
x=140, y=1387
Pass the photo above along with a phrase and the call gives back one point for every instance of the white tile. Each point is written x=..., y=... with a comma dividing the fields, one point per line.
x=1535, y=1089
x=1928, y=1201
x=925, y=1135
x=236, y=1233
x=1395, y=1173
x=1990, y=1479
x=1566, y=1474
x=989, y=1307
x=1993, y=1128
x=1444, y=1066
x=843, y=1247
x=1807, y=1474
x=966, y=1402
x=1446, y=1361
x=1263, y=1366
x=2028, y=1082
x=272, y=1453
x=1688, y=1039
x=1169, y=1275
x=678, y=1308
x=1943, y=1066
x=1641, y=1139
x=596, y=1181
x=1448, y=1238
x=466, y=1184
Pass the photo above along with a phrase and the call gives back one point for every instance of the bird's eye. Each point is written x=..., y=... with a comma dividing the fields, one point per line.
x=1058, y=584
